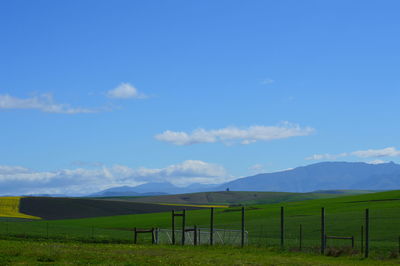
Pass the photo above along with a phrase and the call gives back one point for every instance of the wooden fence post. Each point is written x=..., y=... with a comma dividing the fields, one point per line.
x=366, y=233
x=323, y=230
x=242, y=242
x=212, y=227
x=153, y=239
x=282, y=227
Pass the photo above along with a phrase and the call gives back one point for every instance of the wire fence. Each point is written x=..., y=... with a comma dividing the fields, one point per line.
x=202, y=236
x=338, y=232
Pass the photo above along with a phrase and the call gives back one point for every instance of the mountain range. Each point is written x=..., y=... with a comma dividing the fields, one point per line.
x=319, y=176
x=153, y=189
x=324, y=176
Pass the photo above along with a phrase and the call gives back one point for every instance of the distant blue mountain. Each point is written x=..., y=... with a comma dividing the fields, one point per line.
x=124, y=191
x=323, y=176
x=315, y=177
x=164, y=187
x=151, y=189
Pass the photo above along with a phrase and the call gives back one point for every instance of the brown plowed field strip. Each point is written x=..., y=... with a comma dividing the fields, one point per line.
x=73, y=208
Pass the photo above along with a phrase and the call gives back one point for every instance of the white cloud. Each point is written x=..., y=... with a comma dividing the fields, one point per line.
x=377, y=162
x=283, y=170
x=42, y=102
x=256, y=168
x=5, y=169
x=325, y=156
x=86, y=164
x=231, y=135
x=386, y=152
x=267, y=81
x=186, y=173
x=125, y=91
x=19, y=180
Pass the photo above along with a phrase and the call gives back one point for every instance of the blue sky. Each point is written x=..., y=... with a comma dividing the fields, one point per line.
x=104, y=93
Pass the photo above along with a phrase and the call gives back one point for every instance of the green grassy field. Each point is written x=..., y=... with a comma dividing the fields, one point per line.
x=55, y=253
x=239, y=197
x=344, y=217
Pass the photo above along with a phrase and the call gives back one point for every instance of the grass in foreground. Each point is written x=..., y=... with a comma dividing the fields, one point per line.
x=39, y=253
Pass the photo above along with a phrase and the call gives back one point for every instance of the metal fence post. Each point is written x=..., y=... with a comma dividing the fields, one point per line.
x=323, y=230
x=195, y=236
x=183, y=226
x=212, y=227
x=173, y=227
x=242, y=242
x=366, y=233
x=135, y=236
x=282, y=227
x=157, y=234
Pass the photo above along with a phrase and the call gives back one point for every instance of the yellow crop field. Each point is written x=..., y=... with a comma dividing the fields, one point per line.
x=9, y=207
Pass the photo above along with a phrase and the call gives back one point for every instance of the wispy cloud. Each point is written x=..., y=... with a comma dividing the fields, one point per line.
x=230, y=135
x=325, y=156
x=20, y=180
x=377, y=162
x=386, y=152
x=87, y=164
x=125, y=91
x=42, y=102
x=256, y=168
x=267, y=81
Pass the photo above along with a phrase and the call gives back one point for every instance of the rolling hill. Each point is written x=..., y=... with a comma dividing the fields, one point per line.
x=238, y=197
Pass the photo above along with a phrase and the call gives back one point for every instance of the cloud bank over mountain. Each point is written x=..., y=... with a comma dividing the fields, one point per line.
x=370, y=153
x=19, y=180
